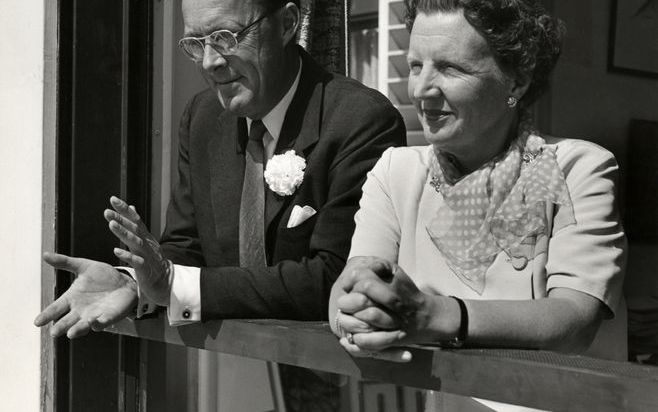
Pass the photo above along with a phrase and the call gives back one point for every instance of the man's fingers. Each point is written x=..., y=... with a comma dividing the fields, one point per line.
x=379, y=340
x=111, y=215
x=130, y=218
x=64, y=324
x=53, y=312
x=392, y=354
x=131, y=240
x=124, y=209
x=100, y=323
x=129, y=258
x=59, y=261
x=80, y=328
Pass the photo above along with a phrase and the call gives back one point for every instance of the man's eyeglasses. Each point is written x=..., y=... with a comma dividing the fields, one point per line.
x=223, y=41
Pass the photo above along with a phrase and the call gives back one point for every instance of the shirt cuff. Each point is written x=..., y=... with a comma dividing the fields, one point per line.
x=144, y=304
x=185, y=298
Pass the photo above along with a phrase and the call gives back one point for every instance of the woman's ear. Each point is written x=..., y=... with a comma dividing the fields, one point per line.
x=519, y=86
x=291, y=18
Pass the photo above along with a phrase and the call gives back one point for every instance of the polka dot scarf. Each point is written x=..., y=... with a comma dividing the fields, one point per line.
x=497, y=207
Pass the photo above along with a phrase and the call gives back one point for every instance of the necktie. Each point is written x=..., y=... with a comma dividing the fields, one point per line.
x=252, y=203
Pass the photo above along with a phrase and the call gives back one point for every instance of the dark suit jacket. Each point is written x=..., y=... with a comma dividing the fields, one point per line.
x=341, y=128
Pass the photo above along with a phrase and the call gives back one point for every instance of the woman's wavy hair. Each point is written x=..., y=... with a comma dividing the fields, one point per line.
x=525, y=40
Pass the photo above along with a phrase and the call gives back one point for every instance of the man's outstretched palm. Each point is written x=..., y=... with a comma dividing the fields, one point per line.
x=99, y=296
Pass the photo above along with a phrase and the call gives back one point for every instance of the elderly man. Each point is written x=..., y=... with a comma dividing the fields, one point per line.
x=237, y=245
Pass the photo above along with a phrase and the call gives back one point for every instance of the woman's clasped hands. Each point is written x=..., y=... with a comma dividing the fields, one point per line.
x=376, y=308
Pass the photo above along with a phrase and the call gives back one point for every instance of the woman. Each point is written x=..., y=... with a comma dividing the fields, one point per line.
x=493, y=235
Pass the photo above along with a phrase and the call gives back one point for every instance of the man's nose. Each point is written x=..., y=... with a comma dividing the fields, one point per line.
x=212, y=59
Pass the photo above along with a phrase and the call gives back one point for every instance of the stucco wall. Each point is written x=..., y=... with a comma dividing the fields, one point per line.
x=21, y=93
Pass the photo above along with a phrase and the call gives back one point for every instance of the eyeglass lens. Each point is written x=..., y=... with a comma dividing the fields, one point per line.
x=223, y=41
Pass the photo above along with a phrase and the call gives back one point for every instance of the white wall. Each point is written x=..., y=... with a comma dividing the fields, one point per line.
x=593, y=103
x=21, y=116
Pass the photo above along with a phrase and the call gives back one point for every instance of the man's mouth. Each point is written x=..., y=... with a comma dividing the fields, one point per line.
x=227, y=81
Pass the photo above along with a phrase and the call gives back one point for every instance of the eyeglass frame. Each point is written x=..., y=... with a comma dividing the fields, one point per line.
x=204, y=40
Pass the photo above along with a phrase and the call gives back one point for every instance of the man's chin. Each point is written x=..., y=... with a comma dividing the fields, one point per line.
x=236, y=105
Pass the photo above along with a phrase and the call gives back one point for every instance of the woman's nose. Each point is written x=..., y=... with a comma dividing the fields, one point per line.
x=212, y=59
x=424, y=85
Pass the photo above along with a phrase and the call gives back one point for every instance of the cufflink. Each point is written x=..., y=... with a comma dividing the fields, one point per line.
x=187, y=314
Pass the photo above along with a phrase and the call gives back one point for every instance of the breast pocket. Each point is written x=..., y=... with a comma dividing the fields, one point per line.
x=293, y=243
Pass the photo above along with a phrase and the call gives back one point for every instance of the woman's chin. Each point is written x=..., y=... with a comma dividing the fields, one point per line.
x=438, y=138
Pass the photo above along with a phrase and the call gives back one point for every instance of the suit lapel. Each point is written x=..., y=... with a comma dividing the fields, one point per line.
x=226, y=148
x=301, y=127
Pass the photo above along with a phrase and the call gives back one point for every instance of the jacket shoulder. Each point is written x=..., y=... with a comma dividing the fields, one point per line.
x=351, y=95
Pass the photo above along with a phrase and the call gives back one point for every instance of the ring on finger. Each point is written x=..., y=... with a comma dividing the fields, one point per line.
x=350, y=338
x=339, y=327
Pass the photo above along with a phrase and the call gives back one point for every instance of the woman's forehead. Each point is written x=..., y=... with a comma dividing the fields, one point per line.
x=447, y=31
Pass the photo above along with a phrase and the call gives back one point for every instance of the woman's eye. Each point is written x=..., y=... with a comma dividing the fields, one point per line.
x=415, y=68
x=451, y=69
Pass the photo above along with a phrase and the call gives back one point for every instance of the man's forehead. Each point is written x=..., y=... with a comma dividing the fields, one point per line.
x=202, y=16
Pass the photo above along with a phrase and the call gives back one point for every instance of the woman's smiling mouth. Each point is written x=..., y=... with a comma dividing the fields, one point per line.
x=435, y=115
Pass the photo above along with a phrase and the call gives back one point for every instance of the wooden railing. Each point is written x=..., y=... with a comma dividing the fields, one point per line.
x=538, y=379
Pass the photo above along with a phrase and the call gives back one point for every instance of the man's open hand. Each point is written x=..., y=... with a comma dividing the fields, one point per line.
x=152, y=270
x=99, y=296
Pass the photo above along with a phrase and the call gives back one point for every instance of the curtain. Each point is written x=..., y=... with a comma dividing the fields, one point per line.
x=323, y=33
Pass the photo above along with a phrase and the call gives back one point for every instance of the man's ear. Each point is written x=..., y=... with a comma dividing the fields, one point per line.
x=291, y=17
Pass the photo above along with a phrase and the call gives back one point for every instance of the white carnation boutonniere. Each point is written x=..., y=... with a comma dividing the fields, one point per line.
x=284, y=173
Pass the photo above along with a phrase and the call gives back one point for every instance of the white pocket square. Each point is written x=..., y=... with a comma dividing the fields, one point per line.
x=299, y=215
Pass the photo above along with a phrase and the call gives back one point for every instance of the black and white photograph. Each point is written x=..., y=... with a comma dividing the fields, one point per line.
x=329, y=205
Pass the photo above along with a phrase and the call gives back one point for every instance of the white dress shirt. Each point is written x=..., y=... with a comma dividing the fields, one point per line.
x=185, y=298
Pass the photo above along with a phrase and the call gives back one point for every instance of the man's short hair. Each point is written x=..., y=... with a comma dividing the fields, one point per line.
x=271, y=5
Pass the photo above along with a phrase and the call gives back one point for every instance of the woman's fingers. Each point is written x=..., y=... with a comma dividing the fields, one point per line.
x=392, y=354
x=361, y=268
x=378, y=317
x=350, y=324
x=363, y=308
x=378, y=292
x=379, y=340
x=354, y=302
